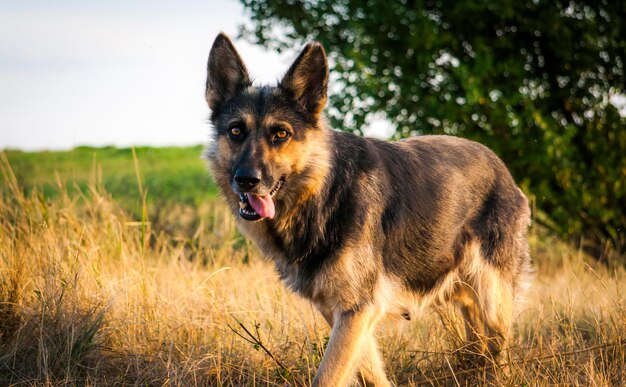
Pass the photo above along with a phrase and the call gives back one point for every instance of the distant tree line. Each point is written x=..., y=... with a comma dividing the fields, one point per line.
x=532, y=79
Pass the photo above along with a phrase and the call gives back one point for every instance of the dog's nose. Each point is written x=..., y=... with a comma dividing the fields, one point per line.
x=247, y=179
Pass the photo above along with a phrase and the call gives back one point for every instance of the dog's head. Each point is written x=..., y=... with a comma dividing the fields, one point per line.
x=265, y=137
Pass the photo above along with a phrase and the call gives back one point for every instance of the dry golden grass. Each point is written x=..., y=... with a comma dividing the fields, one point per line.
x=89, y=296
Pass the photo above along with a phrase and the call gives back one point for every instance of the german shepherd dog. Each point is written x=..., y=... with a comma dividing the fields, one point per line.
x=365, y=228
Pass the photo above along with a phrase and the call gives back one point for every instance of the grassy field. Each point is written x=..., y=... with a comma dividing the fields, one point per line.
x=173, y=174
x=174, y=180
x=101, y=287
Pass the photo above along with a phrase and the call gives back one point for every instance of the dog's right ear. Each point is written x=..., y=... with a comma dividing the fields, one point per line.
x=307, y=78
x=227, y=74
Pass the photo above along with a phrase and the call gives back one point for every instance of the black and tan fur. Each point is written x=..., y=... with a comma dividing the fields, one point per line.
x=367, y=228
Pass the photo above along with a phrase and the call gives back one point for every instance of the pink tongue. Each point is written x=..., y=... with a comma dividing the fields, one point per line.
x=263, y=205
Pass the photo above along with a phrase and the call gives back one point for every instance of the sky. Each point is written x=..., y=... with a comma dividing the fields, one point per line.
x=114, y=72
x=87, y=72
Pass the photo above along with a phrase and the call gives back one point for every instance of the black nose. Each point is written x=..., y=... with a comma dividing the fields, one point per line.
x=247, y=178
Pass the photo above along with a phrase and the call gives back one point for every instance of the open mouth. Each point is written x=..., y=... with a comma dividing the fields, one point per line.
x=255, y=207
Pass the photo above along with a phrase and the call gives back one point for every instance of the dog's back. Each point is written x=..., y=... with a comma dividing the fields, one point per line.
x=429, y=206
x=446, y=193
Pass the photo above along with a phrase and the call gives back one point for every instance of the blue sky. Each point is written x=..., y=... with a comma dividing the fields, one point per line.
x=113, y=72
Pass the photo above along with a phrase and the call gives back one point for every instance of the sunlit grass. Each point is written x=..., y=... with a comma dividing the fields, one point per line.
x=85, y=299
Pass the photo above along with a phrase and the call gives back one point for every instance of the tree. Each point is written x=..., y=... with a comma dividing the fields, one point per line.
x=532, y=79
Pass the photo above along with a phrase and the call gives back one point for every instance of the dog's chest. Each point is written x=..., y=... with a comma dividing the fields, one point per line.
x=328, y=273
x=292, y=275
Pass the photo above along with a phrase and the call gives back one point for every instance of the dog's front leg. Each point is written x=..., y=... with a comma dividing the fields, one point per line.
x=371, y=368
x=351, y=331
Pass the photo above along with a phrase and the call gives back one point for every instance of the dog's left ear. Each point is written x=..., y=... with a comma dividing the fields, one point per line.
x=307, y=79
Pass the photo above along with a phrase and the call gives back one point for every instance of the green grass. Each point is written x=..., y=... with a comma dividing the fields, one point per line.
x=171, y=175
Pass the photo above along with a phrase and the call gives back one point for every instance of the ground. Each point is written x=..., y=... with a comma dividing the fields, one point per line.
x=129, y=270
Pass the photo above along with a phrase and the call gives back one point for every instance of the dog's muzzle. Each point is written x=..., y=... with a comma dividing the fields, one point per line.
x=255, y=207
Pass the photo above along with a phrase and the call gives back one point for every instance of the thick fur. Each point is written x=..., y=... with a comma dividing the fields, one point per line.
x=366, y=228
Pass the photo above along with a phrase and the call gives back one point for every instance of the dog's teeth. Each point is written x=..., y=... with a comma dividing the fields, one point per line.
x=245, y=211
x=242, y=205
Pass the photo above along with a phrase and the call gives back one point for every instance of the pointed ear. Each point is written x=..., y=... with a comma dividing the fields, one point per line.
x=307, y=79
x=226, y=73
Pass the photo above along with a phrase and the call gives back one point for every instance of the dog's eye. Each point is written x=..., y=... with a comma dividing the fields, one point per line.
x=235, y=132
x=281, y=135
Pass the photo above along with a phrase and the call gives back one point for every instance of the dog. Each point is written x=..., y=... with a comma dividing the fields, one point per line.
x=361, y=227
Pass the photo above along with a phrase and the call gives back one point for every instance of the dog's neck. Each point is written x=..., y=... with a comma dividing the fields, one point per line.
x=304, y=190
